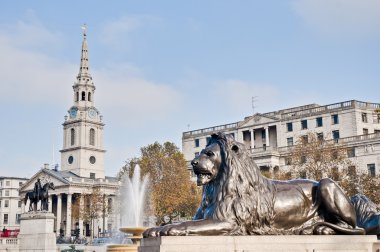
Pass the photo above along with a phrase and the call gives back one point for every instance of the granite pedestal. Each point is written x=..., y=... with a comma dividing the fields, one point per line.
x=280, y=243
x=37, y=232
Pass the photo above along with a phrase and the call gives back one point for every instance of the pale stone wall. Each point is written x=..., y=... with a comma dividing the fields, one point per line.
x=350, y=124
x=9, y=188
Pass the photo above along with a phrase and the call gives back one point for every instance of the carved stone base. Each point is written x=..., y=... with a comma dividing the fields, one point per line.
x=283, y=243
x=36, y=232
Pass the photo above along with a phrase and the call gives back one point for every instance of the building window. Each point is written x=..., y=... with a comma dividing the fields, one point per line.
x=377, y=118
x=289, y=127
x=92, y=137
x=92, y=175
x=19, y=204
x=92, y=160
x=263, y=134
x=371, y=170
x=7, y=183
x=288, y=161
x=70, y=160
x=19, y=184
x=303, y=175
x=365, y=131
x=83, y=96
x=6, y=193
x=18, y=218
x=89, y=96
x=335, y=119
x=319, y=121
x=305, y=139
x=352, y=171
x=77, y=97
x=304, y=124
x=196, y=142
x=377, y=132
x=351, y=152
x=0, y=203
x=231, y=135
x=208, y=139
x=6, y=203
x=290, y=141
x=72, y=136
x=320, y=137
x=335, y=134
x=5, y=219
x=364, y=117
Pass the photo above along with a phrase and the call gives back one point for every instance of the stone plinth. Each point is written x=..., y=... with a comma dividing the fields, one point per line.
x=37, y=232
x=283, y=243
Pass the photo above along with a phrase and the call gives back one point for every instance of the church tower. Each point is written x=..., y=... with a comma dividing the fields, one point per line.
x=83, y=152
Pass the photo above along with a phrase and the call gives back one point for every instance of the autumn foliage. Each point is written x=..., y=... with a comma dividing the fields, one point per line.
x=172, y=195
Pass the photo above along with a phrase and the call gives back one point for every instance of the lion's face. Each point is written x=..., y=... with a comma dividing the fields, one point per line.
x=206, y=165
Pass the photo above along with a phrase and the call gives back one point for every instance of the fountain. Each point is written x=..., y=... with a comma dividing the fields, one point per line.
x=133, y=192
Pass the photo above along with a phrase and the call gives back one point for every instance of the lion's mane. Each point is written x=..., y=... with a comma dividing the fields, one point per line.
x=239, y=194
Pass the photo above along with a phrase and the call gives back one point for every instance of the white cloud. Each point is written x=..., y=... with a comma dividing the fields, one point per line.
x=117, y=33
x=348, y=18
x=133, y=100
x=30, y=76
x=27, y=74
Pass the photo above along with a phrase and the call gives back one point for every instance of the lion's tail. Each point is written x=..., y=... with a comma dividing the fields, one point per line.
x=340, y=229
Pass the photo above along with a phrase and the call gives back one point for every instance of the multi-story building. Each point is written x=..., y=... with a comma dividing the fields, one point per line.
x=269, y=135
x=82, y=161
x=10, y=202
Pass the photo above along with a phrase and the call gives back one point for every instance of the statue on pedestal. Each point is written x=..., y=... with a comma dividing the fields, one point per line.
x=40, y=193
x=238, y=200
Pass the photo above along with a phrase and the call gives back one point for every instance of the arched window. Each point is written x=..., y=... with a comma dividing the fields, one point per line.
x=92, y=137
x=83, y=96
x=89, y=96
x=77, y=99
x=72, y=136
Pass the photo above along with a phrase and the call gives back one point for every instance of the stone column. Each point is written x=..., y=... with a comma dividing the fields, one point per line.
x=22, y=206
x=68, y=216
x=50, y=209
x=267, y=136
x=252, y=139
x=59, y=212
x=80, y=221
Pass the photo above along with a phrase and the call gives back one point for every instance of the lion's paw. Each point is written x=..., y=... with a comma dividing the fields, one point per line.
x=323, y=230
x=152, y=232
x=173, y=230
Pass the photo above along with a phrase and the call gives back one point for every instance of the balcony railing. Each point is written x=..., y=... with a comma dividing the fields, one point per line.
x=292, y=113
x=210, y=130
x=284, y=149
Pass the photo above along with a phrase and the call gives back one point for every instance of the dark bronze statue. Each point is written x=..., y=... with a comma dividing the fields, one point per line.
x=39, y=193
x=238, y=200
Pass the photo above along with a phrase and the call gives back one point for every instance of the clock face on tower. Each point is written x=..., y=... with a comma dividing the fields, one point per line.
x=73, y=112
x=92, y=113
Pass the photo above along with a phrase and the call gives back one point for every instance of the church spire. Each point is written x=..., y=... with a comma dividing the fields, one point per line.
x=84, y=73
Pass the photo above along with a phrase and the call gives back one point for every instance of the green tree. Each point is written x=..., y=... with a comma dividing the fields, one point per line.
x=172, y=193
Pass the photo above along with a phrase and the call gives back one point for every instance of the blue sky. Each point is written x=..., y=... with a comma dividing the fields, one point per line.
x=163, y=67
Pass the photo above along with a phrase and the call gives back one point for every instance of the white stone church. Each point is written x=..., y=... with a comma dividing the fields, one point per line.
x=82, y=160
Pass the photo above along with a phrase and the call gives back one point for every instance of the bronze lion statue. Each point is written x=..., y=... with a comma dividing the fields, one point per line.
x=238, y=200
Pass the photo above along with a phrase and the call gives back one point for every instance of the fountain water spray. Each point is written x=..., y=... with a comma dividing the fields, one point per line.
x=133, y=193
x=132, y=207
